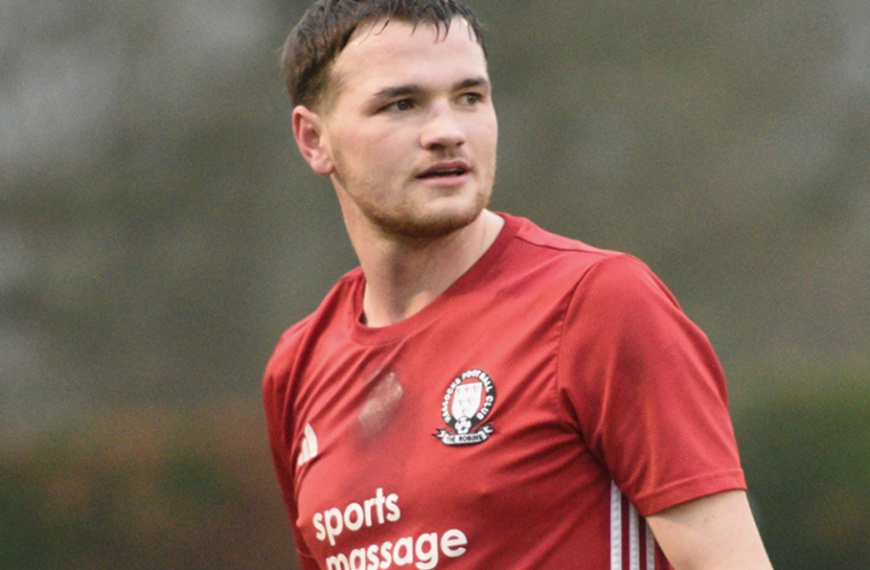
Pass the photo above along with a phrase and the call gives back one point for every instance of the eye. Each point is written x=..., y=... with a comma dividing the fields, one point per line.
x=400, y=105
x=470, y=99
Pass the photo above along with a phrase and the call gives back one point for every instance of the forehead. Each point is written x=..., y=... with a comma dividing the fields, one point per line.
x=387, y=53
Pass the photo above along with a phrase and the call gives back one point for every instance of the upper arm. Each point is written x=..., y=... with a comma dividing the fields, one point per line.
x=711, y=533
x=645, y=389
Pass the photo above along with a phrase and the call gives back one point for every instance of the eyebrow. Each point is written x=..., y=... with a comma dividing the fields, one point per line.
x=416, y=88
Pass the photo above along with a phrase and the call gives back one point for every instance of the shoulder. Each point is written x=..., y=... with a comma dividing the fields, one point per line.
x=620, y=299
x=528, y=233
x=582, y=268
x=623, y=276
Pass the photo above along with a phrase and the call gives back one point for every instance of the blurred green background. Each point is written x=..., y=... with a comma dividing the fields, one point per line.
x=158, y=232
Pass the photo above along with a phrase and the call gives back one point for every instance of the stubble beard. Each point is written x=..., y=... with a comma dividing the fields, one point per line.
x=410, y=223
x=423, y=226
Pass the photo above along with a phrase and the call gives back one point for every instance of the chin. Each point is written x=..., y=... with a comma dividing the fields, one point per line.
x=440, y=223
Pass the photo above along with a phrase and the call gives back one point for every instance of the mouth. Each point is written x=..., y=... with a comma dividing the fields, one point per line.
x=452, y=169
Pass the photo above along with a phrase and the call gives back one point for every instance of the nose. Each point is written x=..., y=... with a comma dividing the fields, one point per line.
x=442, y=128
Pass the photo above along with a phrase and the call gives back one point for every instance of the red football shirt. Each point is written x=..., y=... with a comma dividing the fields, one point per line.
x=529, y=417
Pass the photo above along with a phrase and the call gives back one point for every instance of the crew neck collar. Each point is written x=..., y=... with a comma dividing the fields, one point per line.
x=394, y=333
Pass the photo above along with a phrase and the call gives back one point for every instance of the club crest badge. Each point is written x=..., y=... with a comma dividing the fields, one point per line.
x=468, y=401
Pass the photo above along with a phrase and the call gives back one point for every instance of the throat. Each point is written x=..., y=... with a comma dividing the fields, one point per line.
x=402, y=282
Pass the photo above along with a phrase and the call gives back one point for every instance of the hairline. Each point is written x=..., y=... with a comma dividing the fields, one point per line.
x=332, y=88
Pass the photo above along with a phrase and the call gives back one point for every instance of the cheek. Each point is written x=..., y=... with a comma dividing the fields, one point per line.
x=383, y=146
x=486, y=134
x=387, y=154
x=485, y=145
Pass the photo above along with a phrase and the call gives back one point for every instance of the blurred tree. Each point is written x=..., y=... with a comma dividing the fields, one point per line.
x=158, y=230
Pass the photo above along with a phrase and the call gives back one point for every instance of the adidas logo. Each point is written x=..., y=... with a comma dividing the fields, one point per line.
x=309, y=446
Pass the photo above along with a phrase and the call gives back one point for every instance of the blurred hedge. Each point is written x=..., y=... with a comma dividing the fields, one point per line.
x=155, y=489
x=146, y=489
x=806, y=453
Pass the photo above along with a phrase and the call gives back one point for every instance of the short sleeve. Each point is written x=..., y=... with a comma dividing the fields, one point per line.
x=645, y=388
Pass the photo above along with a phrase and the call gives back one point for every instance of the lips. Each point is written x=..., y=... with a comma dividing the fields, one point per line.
x=443, y=169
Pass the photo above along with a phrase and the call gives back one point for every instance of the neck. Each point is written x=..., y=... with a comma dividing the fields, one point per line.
x=404, y=276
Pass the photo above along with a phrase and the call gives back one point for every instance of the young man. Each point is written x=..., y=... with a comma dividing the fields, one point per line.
x=479, y=393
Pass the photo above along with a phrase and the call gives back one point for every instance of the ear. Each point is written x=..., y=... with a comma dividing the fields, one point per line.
x=308, y=131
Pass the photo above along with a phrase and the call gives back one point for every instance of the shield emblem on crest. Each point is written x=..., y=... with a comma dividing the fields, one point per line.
x=466, y=400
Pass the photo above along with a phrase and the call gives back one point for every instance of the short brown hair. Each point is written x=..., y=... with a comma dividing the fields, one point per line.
x=327, y=26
